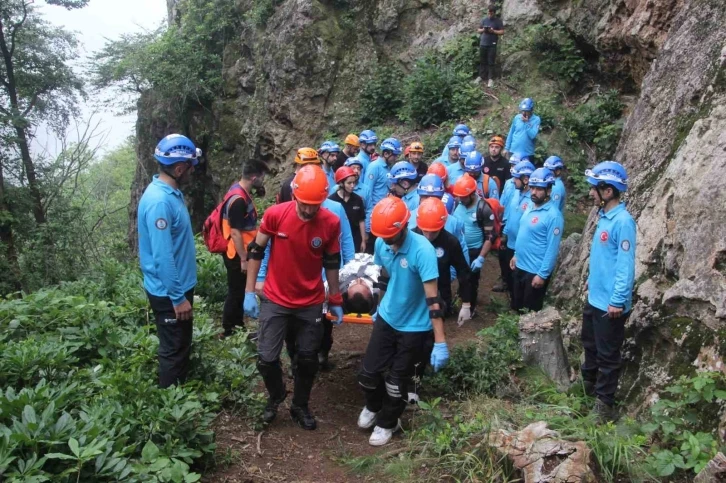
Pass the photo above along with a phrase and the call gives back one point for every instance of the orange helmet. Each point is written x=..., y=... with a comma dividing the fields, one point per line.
x=307, y=156
x=344, y=172
x=416, y=147
x=465, y=186
x=439, y=170
x=432, y=214
x=310, y=185
x=406, y=151
x=497, y=140
x=389, y=217
x=352, y=139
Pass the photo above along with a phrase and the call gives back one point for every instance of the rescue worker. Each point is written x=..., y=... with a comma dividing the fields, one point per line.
x=451, y=152
x=486, y=186
x=439, y=170
x=367, y=141
x=432, y=186
x=360, y=187
x=305, y=240
x=456, y=170
x=328, y=153
x=302, y=157
x=478, y=230
x=610, y=287
x=460, y=131
x=239, y=226
x=559, y=194
x=353, y=204
x=167, y=255
x=537, y=245
x=523, y=131
x=495, y=164
x=402, y=183
x=408, y=320
x=415, y=157
x=350, y=150
x=431, y=220
x=376, y=180
x=519, y=203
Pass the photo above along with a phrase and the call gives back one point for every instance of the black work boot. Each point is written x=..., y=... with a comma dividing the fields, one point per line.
x=271, y=409
x=589, y=388
x=604, y=413
x=499, y=287
x=324, y=362
x=272, y=376
x=303, y=417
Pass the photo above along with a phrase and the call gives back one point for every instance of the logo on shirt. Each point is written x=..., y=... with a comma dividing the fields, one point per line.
x=486, y=169
x=625, y=245
x=535, y=220
x=356, y=207
x=370, y=176
x=404, y=263
x=439, y=252
x=282, y=234
x=491, y=217
x=316, y=242
x=604, y=236
x=525, y=206
x=161, y=224
x=557, y=231
x=473, y=216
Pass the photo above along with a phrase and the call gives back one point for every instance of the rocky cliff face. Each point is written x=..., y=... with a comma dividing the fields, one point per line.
x=674, y=147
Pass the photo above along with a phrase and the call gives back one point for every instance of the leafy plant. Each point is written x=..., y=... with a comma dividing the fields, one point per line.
x=560, y=57
x=382, y=96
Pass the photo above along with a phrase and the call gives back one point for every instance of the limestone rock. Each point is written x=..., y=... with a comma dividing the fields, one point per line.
x=517, y=11
x=542, y=456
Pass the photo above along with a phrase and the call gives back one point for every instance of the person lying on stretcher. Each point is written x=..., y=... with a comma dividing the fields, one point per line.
x=358, y=279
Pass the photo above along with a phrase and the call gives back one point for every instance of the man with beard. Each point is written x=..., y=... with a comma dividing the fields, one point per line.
x=367, y=141
x=495, y=164
x=486, y=186
x=408, y=321
x=402, y=183
x=415, y=157
x=239, y=226
x=451, y=153
x=168, y=257
x=350, y=150
x=328, y=153
x=376, y=180
x=538, y=242
x=305, y=240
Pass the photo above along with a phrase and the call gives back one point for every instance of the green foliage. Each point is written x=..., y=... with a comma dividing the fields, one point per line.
x=435, y=92
x=210, y=271
x=79, y=398
x=382, y=96
x=260, y=12
x=558, y=55
x=462, y=53
x=480, y=367
x=596, y=123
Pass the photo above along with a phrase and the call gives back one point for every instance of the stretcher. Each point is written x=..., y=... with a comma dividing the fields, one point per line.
x=364, y=319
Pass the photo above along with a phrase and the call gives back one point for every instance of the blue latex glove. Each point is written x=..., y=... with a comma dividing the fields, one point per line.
x=250, y=305
x=477, y=264
x=337, y=310
x=439, y=356
x=375, y=314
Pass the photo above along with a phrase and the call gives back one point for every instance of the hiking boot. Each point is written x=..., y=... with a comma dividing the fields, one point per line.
x=589, y=388
x=325, y=364
x=271, y=409
x=491, y=84
x=367, y=419
x=382, y=436
x=499, y=287
x=302, y=416
x=604, y=413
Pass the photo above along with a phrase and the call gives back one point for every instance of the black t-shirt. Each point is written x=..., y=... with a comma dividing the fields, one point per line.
x=498, y=168
x=449, y=254
x=237, y=214
x=340, y=160
x=422, y=168
x=356, y=212
x=490, y=39
x=286, y=190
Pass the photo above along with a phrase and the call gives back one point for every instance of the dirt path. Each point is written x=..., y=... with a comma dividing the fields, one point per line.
x=287, y=452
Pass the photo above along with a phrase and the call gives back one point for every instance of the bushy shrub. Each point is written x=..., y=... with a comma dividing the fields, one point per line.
x=597, y=123
x=560, y=57
x=462, y=54
x=435, y=92
x=382, y=96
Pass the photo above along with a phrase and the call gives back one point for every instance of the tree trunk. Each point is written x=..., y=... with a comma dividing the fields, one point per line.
x=7, y=238
x=540, y=340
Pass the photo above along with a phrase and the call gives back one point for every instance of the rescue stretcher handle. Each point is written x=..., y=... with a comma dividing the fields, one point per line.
x=364, y=319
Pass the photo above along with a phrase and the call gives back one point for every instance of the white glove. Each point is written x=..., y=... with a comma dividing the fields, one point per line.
x=464, y=314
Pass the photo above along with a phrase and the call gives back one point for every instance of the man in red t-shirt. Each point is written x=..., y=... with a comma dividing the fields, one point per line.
x=305, y=239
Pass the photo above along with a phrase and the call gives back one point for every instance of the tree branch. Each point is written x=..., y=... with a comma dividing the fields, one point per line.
x=16, y=27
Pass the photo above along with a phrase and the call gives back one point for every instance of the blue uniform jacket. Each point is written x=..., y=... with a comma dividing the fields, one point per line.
x=519, y=203
x=507, y=192
x=522, y=135
x=166, y=242
x=612, y=260
x=558, y=194
x=455, y=171
x=376, y=181
x=412, y=200
x=365, y=159
x=538, y=239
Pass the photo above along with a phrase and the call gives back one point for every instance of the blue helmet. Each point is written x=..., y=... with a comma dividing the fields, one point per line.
x=515, y=158
x=402, y=170
x=454, y=143
x=431, y=185
x=608, y=173
x=554, y=162
x=473, y=162
x=176, y=148
x=352, y=161
x=449, y=202
x=461, y=130
x=329, y=147
x=526, y=104
x=522, y=168
x=465, y=150
x=393, y=145
x=469, y=141
x=542, y=178
x=368, y=137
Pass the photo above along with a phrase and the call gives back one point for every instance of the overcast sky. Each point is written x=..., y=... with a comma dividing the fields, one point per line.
x=103, y=19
